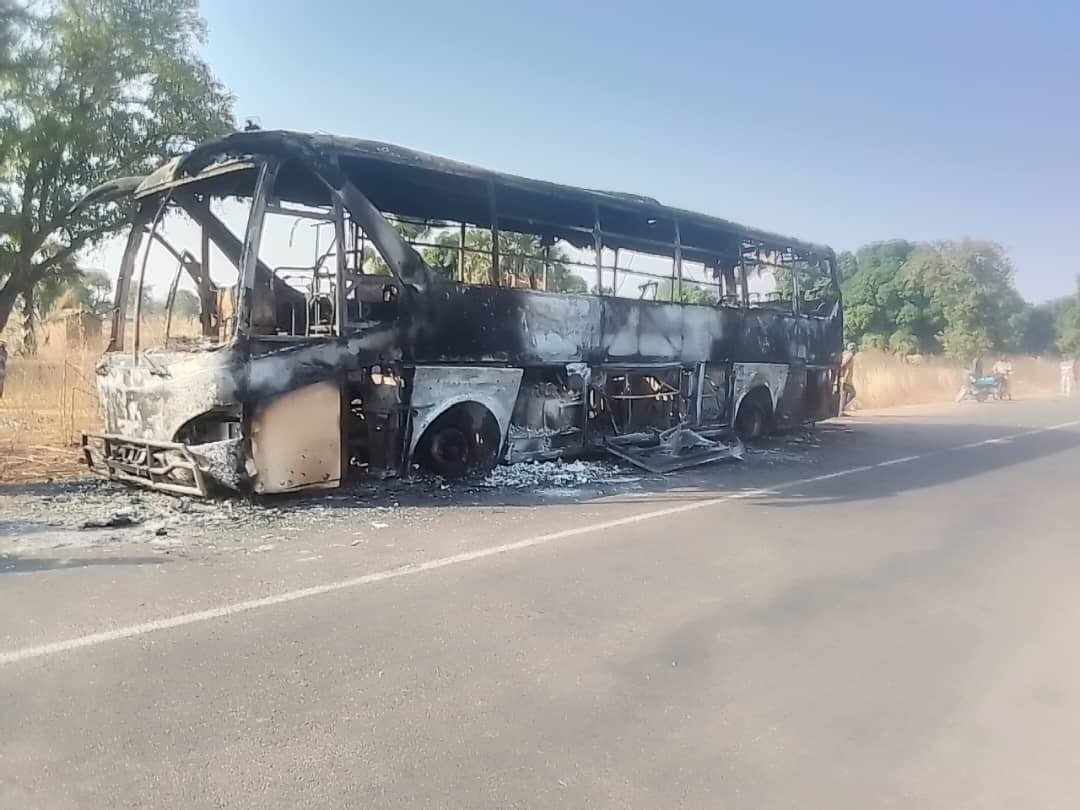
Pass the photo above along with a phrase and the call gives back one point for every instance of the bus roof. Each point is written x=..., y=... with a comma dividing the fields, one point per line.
x=412, y=183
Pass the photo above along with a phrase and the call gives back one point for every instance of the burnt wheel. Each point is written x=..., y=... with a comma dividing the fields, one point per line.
x=463, y=441
x=450, y=451
x=754, y=417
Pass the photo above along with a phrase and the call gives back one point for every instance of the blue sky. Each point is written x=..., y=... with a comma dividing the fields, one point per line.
x=843, y=123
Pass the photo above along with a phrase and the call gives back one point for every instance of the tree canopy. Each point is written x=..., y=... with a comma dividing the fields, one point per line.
x=104, y=88
x=952, y=297
x=1066, y=314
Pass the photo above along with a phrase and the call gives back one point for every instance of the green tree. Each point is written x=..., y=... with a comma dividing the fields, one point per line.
x=90, y=290
x=1067, y=324
x=956, y=297
x=847, y=265
x=1032, y=330
x=970, y=283
x=113, y=88
x=872, y=298
x=520, y=259
x=688, y=294
x=13, y=18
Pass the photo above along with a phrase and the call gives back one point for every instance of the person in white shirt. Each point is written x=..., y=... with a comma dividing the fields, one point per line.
x=1003, y=370
x=847, y=377
x=1068, y=371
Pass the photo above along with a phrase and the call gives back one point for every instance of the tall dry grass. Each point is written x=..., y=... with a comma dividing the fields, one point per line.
x=50, y=399
x=884, y=380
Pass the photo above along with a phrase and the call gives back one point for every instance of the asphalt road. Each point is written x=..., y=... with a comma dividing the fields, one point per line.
x=889, y=620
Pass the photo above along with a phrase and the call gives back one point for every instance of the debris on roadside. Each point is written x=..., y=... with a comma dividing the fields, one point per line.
x=117, y=520
x=91, y=512
x=674, y=449
x=551, y=474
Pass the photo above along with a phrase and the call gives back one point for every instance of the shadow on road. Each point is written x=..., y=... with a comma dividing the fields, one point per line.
x=17, y=564
x=943, y=465
x=784, y=460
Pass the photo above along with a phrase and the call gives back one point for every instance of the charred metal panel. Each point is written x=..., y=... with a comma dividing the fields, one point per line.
x=296, y=439
x=674, y=449
x=425, y=180
x=767, y=336
x=273, y=369
x=713, y=393
x=221, y=461
x=790, y=410
x=823, y=338
x=641, y=331
x=460, y=323
x=748, y=376
x=822, y=395
x=438, y=388
x=456, y=323
x=152, y=399
x=549, y=416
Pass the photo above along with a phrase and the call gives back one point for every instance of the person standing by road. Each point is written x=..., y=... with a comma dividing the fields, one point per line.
x=1003, y=370
x=1068, y=374
x=847, y=377
x=976, y=367
x=3, y=366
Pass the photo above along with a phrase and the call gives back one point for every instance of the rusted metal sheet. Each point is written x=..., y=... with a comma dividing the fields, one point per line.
x=674, y=449
x=296, y=440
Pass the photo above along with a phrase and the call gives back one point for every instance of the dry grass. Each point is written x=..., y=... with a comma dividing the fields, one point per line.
x=48, y=402
x=51, y=398
x=884, y=380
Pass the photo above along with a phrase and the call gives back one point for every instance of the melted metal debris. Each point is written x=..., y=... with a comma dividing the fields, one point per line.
x=551, y=474
x=221, y=460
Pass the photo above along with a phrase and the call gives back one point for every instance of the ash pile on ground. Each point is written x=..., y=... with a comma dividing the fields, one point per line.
x=92, y=512
x=87, y=512
x=785, y=448
x=546, y=475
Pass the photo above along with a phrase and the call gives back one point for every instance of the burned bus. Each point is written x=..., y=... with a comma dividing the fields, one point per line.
x=354, y=306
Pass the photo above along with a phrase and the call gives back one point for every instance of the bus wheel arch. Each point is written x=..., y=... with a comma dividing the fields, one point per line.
x=754, y=416
x=464, y=439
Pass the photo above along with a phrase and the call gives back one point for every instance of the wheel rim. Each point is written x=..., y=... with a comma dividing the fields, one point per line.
x=751, y=420
x=450, y=449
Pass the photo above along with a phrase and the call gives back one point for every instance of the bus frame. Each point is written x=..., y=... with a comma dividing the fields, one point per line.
x=415, y=364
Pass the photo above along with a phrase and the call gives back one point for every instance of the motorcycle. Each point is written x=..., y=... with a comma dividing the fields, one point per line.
x=981, y=389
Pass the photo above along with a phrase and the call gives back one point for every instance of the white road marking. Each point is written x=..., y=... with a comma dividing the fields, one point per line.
x=826, y=476
x=1011, y=437
x=894, y=461
x=225, y=611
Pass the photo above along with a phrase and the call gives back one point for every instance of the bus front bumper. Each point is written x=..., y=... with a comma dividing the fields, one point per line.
x=170, y=467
